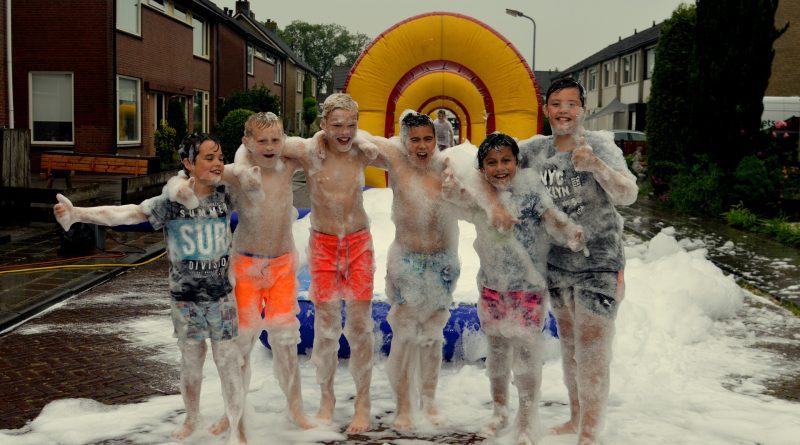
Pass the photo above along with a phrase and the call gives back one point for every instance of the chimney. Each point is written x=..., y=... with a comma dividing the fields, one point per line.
x=271, y=25
x=243, y=6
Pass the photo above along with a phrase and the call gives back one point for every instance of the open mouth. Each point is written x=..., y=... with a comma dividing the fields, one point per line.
x=422, y=155
x=269, y=155
x=343, y=141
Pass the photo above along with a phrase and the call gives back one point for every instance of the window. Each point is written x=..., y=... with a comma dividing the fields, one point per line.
x=161, y=5
x=159, y=106
x=650, y=62
x=609, y=74
x=51, y=112
x=200, y=114
x=299, y=82
x=200, y=37
x=180, y=12
x=128, y=16
x=592, y=79
x=629, y=68
x=128, y=111
x=278, y=71
x=250, y=59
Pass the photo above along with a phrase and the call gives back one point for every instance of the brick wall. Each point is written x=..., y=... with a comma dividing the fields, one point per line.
x=3, y=69
x=785, y=79
x=232, y=64
x=75, y=37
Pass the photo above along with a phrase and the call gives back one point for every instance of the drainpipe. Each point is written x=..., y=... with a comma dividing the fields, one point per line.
x=9, y=66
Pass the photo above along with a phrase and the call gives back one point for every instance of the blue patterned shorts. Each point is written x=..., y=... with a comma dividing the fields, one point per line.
x=216, y=320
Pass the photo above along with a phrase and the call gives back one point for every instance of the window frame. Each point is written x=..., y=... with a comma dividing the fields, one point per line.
x=204, y=30
x=277, y=72
x=631, y=61
x=300, y=80
x=138, y=31
x=138, y=119
x=31, y=109
x=250, y=62
x=204, y=111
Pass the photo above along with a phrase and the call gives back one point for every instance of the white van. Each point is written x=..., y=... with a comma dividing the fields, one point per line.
x=779, y=108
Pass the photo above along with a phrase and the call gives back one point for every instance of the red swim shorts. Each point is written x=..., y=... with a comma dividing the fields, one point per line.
x=265, y=284
x=341, y=268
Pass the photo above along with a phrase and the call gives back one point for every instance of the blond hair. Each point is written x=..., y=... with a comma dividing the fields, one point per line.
x=338, y=101
x=260, y=120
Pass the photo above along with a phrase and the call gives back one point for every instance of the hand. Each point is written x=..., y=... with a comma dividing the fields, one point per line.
x=318, y=144
x=369, y=149
x=451, y=188
x=181, y=190
x=576, y=241
x=64, y=212
x=583, y=157
x=250, y=181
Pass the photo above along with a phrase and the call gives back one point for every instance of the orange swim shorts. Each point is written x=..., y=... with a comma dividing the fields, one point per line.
x=265, y=284
x=341, y=267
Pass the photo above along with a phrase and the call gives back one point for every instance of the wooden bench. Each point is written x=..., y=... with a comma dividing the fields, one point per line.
x=64, y=163
x=138, y=188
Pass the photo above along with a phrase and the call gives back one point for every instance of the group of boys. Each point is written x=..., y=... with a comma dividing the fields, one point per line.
x=260, y=291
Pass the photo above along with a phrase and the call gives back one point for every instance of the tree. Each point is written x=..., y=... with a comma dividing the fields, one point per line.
x=309, y=112
x=730, y=71
x=668, y=106
x=323, y=45
x=256, y=99
x=231, y=130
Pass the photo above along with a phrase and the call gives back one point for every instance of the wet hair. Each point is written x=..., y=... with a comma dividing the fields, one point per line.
x=410, y=119
x=496, y=141
x=260, y=121
x=190, y=147
x=338, y=101
x=562, y=84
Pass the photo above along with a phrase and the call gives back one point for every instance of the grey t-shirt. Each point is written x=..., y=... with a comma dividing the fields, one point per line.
x=582, y=198
x=515, y=259
x=443, y=132
x=199, y=243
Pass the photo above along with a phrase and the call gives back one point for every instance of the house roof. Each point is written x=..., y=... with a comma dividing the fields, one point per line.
x=274, y=38
x=545, y=78
x=623, y=46
x=339, y=75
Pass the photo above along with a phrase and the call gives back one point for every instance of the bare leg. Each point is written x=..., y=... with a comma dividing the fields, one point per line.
x=594, y=334
x=327, y=330
x=399, y=364
x=193, y=354
x=431, y=362
x=527, y=367
x=566, y=335
x=498, y=366
x=284, y=341
x=244, y=342
x=358, y=331
x=228, y=359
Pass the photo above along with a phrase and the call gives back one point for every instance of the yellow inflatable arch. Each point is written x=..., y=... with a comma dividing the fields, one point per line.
x=445, y=60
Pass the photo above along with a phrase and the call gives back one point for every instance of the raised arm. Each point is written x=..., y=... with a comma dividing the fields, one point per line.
x=620, y=185
x=67, y=214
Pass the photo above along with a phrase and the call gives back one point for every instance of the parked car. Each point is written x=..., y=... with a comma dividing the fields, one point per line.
x=628, y=140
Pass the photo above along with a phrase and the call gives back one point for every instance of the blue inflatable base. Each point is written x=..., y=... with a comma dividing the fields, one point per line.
x=463, y=319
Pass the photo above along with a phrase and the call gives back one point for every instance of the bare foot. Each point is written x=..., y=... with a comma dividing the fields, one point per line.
x=402, y=422
x=184, y=431
x=525, y=437
x=496, y=423
x=325, y=414
x=433, y=415
x=360, y=422
x=584, y=440
x=302, y=421
x=564, y=428
x=220, y=426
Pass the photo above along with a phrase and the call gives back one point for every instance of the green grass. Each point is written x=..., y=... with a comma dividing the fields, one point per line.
x=780, y=228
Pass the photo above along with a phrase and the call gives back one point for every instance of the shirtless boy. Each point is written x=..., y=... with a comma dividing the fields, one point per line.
x=341, y=257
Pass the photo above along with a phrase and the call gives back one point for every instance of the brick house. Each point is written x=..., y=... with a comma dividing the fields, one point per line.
x=291, y=71
x=96, y=77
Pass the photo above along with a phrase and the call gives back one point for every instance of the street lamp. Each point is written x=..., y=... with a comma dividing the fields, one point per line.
x=515, y=13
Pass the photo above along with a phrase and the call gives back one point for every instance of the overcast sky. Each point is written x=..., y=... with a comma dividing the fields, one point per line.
x=567, y=31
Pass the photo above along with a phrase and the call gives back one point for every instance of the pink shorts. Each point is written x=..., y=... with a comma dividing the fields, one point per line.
x=523, y=306
x=341, y=268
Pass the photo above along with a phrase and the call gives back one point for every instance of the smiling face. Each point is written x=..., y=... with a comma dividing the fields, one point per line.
x=265, y=145
x=421, y=144
x=564, y=111
x=499, y=167
x=208, y=164
x=340, y=128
